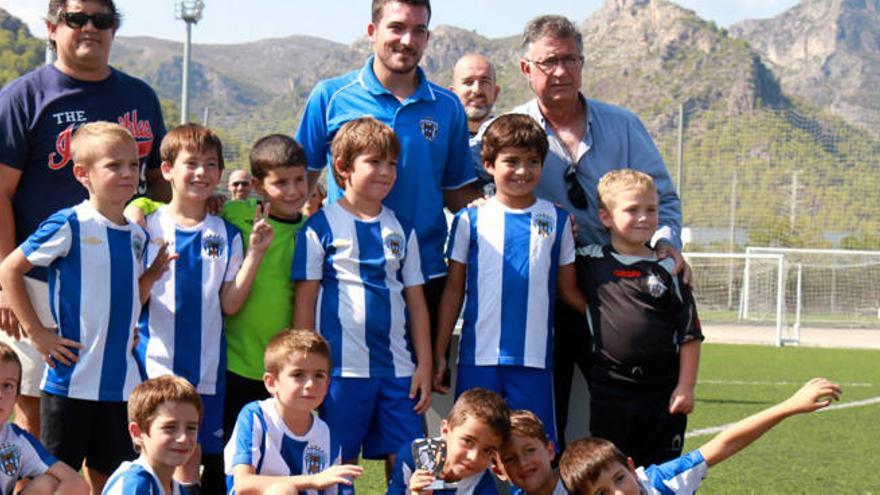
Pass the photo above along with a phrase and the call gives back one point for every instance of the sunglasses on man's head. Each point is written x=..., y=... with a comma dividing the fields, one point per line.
x=76, y=20
x=576, y=193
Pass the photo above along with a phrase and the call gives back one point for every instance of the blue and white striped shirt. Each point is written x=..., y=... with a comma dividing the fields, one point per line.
x=181, y=327
x=363, y=266
x=93, y=267
x=513, y=258
x=21, y=456
x=138, y=478
x=262, y=440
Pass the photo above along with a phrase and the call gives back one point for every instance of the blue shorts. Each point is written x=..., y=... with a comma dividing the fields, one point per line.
x=522, y=387
x=211, y=429
x=374, y=413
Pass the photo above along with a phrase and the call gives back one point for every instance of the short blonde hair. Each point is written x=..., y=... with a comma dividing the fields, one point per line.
x=293, y=341
x=360, y=136
x=149, y=395
x=82, y=145
x=617, y=181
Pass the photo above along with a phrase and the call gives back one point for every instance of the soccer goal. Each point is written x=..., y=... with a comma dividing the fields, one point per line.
x=832, y=288
x=742, y=289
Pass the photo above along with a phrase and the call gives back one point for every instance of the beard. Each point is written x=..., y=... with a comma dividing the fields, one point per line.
x=477, y=113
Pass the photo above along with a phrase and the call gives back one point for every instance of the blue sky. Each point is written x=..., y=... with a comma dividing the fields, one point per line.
x=233, y=21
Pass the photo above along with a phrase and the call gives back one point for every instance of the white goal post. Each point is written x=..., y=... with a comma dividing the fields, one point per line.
x=724, y=284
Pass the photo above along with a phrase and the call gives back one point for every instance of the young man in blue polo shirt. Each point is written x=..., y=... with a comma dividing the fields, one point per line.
x=435, y=166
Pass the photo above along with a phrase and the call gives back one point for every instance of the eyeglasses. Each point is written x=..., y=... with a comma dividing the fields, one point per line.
x=576, y=193
x=77, y=20
x=240, y=183
x=570, y=62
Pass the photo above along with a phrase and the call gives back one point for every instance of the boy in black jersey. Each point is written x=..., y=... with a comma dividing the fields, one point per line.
x=646, y=335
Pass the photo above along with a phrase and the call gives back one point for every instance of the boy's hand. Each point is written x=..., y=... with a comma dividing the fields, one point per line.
x=8, y=321
x=54, y=347
x=666, y=250
x=815, y=394
x=421, y=385
x=440, y=369
x=343, y=474
x=682, y=400
x=160, y=265
x=420, y=480
x=262, y=233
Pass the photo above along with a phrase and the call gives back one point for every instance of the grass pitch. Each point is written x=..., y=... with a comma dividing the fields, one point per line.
x=833, y=451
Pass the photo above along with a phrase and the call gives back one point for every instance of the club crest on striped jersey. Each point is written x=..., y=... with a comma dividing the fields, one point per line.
x=10, y=458
x=394, y=244
x=137, y=245
x=542, y=224
x=656, y=287
x=213, y=246
x=314, y=459
x=429, y=127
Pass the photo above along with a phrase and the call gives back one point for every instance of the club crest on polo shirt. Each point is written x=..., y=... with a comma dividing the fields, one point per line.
x=430, y=128
x=10, y=458
x=394, y=244
x=542, y=224
x=213, y=245
x=656, y=287
x=314, y=459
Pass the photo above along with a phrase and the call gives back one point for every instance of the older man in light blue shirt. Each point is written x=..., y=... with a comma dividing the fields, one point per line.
x=587, y=139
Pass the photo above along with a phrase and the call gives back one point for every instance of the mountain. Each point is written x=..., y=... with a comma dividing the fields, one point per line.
x=760, y=161
x=19, y=51
x=826, y=52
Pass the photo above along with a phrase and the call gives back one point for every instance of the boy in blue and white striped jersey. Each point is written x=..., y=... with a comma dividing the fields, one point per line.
x=510, y=256
x=95, y=260
x=595, y=466
x=181, y=327
x=359, y=283
x=163, y=415
x=23, y=457
x=278, y=445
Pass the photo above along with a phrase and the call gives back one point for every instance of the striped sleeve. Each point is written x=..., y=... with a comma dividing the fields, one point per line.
x=412, y=264
x=35, y=459
x=51, y=241
x=308, y=257
x=246, y=446
x=459, y=237
x=566, y=247
x=236, y=252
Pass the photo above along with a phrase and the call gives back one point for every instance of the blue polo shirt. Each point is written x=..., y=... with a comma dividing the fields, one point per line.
x=434, y=152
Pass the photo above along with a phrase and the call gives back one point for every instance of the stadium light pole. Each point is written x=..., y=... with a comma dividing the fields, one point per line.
x=190, y=12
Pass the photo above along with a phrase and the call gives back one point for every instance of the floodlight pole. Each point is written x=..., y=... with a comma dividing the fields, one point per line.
x=190, y=12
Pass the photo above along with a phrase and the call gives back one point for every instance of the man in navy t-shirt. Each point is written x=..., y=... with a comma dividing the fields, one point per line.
x=40, y=112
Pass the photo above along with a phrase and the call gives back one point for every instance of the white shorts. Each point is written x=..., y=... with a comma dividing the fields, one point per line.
x=32, y=362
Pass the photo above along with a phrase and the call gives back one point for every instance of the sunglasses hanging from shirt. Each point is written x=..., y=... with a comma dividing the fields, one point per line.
x=576, y=193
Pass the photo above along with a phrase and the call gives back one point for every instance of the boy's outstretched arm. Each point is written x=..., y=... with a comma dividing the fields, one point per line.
x=52, y=346
x=447, y=315
x=569, y=291
x=816, y=394
x=247, y=482
x=235, y=293
x=420, y=333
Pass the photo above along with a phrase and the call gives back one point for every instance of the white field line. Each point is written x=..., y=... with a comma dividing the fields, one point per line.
x=846, y=405
x=743, y=382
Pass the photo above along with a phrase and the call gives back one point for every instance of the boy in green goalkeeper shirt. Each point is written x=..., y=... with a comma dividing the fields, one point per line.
x=278, y=165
